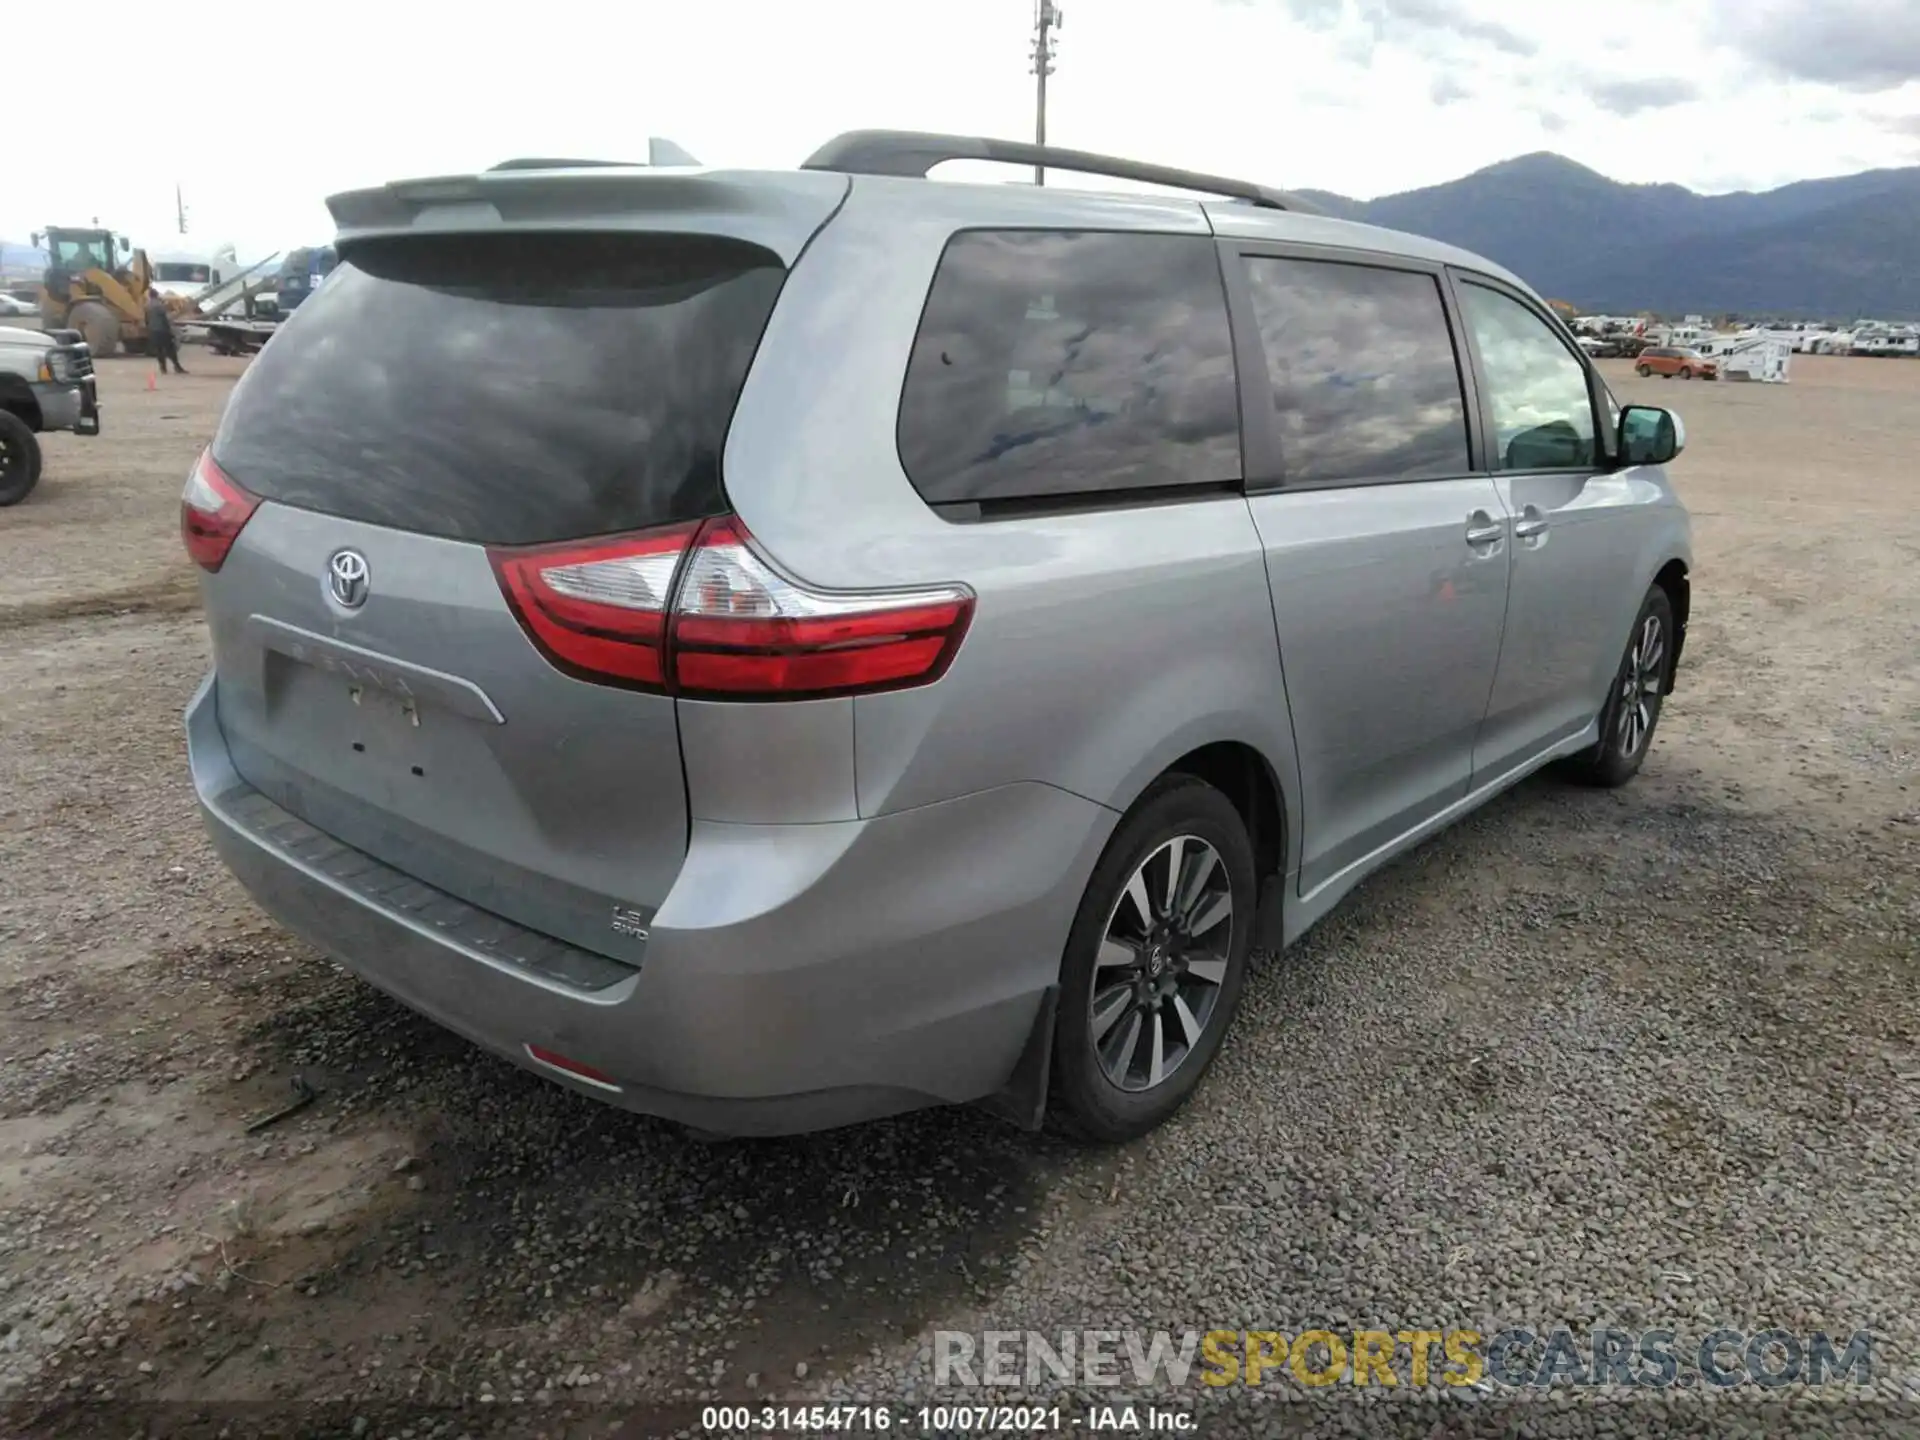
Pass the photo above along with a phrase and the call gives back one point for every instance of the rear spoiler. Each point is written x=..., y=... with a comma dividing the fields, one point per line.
x=776, y=210
x=660, y=153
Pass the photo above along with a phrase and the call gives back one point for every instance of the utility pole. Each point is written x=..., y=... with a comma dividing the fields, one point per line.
x=179, y=208
x=1046, y=21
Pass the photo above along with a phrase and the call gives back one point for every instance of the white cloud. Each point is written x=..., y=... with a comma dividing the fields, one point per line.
x=1333, y=94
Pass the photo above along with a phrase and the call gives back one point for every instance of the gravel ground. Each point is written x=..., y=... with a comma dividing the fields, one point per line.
x=1637, y=1059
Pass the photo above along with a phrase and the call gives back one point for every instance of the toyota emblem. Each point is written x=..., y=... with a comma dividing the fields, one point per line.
x=347, y=577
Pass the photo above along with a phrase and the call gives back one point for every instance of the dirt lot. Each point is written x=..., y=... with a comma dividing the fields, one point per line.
x=1637, y=1058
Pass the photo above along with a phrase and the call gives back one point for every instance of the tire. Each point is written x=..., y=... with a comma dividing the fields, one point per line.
x=1643, y=371
x=1686, y=372
x=98, y=324
x=1103, y=1087
x=1623, y=744
x=19, y=459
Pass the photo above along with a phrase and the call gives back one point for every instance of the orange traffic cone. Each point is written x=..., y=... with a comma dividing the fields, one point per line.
x=153, y=379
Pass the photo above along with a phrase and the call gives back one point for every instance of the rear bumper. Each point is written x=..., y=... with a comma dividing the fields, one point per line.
x=797, y=977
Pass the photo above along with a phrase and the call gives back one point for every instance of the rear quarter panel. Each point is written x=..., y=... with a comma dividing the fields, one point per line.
x=1104, y=644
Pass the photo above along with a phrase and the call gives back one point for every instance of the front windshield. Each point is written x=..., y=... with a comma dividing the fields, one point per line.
x=83, y=254
x=182, y=272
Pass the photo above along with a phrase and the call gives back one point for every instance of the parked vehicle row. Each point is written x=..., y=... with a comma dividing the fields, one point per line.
x=772, y=649
x=1612, y=347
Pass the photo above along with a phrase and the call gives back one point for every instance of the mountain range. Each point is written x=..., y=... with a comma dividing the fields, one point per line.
x=1836, y=249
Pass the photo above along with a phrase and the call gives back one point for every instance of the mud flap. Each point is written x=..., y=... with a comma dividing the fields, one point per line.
x=1269, y=933
x=1023, y=1099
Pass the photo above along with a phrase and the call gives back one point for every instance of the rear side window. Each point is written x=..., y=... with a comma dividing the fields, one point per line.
x=1361, y=362
x=1053, y=364
x=507, y=388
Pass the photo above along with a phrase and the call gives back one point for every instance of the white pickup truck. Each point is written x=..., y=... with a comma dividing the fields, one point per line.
x=46, y=383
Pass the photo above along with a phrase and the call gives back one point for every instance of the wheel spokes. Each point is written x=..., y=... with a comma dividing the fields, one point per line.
x=1210, y=972
x=1137, y=893
x=1158, y=969
x=1196, y=887
x=1118, y=1059
x=1639, y=686
x=1108, y=1006
x=1189, y=1022
x=1176, y=856
x=1217, y=908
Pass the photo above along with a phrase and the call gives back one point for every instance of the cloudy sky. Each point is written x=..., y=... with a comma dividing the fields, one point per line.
x=1365, y=97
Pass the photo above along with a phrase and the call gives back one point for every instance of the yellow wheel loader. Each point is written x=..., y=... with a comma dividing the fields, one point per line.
x=97, y=283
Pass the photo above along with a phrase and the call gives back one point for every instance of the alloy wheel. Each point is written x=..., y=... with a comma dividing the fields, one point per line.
x=1640, y=680
x=1162, y=961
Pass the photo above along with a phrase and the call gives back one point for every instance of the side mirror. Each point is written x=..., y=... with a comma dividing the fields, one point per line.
x=1650, y=435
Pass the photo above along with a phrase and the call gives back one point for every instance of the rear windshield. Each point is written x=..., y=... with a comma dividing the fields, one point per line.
x=506, y=389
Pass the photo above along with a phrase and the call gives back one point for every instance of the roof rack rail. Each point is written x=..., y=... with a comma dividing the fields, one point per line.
x=659, y=153
x=915, y=153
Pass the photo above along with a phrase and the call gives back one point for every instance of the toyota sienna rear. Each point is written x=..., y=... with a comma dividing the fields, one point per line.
x=776, y=649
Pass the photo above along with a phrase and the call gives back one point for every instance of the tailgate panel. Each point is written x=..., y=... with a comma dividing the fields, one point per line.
x=424, y=729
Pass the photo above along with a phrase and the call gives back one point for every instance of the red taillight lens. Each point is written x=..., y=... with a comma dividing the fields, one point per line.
x=598, y=608
x=742, y=630
x=213, y=510
x=695, y=610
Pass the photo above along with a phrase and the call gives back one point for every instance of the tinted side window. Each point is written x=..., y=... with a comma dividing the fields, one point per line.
x=1052, y=363
x=1542, y=408
x=1365, y=382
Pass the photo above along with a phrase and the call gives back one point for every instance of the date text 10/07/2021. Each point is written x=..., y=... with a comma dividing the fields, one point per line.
x=943, y=1419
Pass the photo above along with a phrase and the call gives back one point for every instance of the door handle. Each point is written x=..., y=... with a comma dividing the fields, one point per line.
x=1483, y=529
x=1530, y=524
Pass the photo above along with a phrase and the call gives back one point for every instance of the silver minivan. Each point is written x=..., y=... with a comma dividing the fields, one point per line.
x=771, y=650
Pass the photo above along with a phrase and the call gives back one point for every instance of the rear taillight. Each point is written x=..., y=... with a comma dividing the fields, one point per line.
x=213, y=510
x=741, y=629
x=598, y=609
x=698, y=611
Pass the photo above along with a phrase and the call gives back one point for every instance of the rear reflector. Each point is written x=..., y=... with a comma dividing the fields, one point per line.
x=213, y=510
x=735, y=629
x=553, y=1060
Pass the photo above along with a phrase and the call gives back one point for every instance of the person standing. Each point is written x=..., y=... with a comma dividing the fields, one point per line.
x=160, y=335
